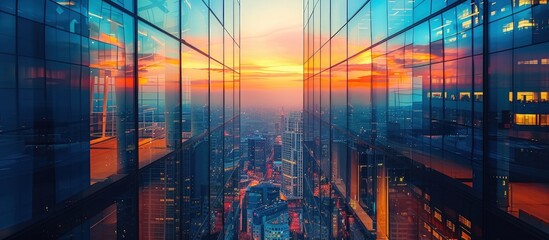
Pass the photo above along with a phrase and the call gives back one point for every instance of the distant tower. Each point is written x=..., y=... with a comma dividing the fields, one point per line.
x=282, y=126
x=257, y=154
x=292, y=156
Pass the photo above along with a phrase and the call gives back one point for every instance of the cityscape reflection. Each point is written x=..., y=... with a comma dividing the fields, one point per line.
x=399, y=119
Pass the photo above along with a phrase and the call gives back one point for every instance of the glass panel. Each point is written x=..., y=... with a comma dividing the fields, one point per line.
x=216, y=7
x=30, y=38
x=379, y=20
x=339, y=15
x=112, y=85
x=237, y=22
x=359, y=31
x=216, y=95
x=499, y=9
x=7, y=36
x=127, y=4
x=324, y=22
x=228, y=51
x=194, y=92
x=31, y=9
x=216, y=39
x=338, y=109
x=421, y=51
x=157, y=199
x=399, y=15
x=524, y=27
x=159, y=105
x=501, y=34
x=194, y=29
x=360, y=102
x=162, y=13
x=228, y=16
x=339, y=47
x=354, y=6
x=8, y=6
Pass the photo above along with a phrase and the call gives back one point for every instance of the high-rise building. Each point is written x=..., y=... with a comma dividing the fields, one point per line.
x=112, y=114
x=271, y=222
x=257, y=155
x=280, y=125
x=292, y=156
x=255, y=197
x=426, y=119
x=277, y=150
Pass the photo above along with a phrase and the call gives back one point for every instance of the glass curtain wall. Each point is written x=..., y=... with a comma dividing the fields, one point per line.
x=114, y=112
x=426, y=119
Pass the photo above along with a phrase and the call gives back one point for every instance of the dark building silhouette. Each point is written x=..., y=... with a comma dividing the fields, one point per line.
x=257, y=154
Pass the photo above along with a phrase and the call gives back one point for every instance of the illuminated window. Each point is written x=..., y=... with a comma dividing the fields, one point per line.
x=436, y=94
x=465, y=221
x=508, y=27
x=465, y=96
x=527, y=96
x=450, y=225
x=510, y=96
x=528, y=62
x=438, y=216
x=544, y=96
x=525, y=119
x=544, y=119
x=478, y=96
x=436, y=235
x=524, y=2
x=426, y=226
x=465, y=236
x=525, y=23
x=426, y=208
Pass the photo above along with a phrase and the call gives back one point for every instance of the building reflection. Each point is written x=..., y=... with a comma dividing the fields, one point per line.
x=425, y=119
x=117, y=111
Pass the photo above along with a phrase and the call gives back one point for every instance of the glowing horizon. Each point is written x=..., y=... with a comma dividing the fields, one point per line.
x=272, y=48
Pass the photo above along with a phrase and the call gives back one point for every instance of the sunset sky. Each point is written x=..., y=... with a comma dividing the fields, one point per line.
x=271, y=48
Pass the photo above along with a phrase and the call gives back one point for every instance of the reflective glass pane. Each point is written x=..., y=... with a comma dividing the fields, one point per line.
x=360, y=31
x=194, y=24
x=111, y=85
x=7, y=36
x=164, y=14
x=159, y=105
x=194, y=92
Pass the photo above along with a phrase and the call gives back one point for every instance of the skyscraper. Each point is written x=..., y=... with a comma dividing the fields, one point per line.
x=292, y=156
x=257, y=196
x=425, y=119
x=257, y=155
x=277, y=150
x=271, y=222
x=112, y=112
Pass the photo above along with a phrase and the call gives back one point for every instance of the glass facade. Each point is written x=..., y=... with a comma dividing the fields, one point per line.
x=426, y=119
x=113, y=112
